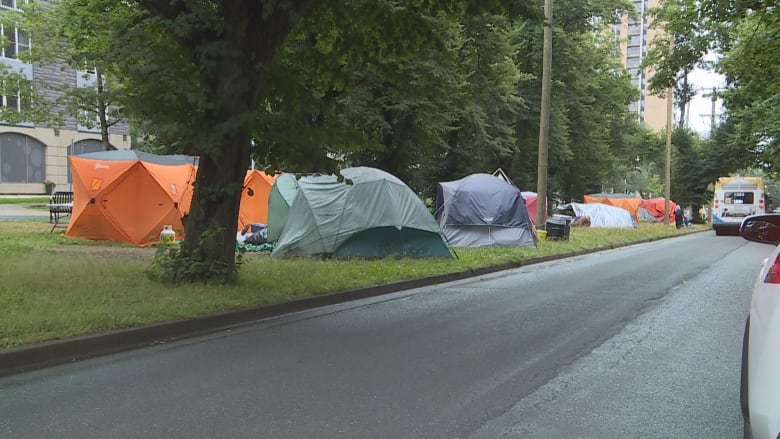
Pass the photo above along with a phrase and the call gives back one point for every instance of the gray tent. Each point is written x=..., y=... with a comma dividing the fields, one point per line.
x=372, y=215
x=483, y=210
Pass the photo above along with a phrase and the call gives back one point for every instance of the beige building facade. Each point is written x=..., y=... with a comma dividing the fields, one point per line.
x=635, y=38
x=32, y=155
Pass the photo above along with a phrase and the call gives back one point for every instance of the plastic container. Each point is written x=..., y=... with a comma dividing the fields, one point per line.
x=167, y=236
x=558, y=227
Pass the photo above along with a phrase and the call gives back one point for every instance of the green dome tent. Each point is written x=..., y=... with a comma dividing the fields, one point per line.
x=282, y=195
x=372, y=214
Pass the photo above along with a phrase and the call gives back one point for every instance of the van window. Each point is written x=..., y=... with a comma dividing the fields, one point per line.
x=738, y=197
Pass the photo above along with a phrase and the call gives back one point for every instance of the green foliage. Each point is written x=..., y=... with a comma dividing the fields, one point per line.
x=426, y=90
x=174, y=266
x=744, y=35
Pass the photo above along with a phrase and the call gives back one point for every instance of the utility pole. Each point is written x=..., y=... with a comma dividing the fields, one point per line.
x=713, y=111
x=544, y=122
x=668, y=179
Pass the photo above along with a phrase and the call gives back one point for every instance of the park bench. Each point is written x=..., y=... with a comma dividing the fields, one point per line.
x=60, y=207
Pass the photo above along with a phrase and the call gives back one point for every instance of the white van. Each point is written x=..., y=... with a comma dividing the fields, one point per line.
x=736, y=198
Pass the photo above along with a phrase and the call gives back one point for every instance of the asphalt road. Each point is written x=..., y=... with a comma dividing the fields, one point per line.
x=638, y=342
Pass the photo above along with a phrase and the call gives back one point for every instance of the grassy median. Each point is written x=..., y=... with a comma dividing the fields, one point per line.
x=54, y=286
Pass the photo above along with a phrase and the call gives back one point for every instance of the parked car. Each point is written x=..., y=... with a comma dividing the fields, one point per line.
x=760, y=388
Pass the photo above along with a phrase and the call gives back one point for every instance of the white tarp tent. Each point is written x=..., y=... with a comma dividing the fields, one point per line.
x=603, y=215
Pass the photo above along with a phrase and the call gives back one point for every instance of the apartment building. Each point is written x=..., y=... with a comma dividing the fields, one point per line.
x=30, y=154
x=635, y=36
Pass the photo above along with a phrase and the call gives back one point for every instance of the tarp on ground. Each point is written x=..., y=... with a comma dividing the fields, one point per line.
x=655, y=207
x=254, y=198
x=128, y=196
x=603, y=215
x=372, y=214
x=628, y=202
x=483, y=210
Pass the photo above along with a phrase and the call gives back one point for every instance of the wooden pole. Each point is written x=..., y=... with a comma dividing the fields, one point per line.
x=668, y=177
x=544, y=122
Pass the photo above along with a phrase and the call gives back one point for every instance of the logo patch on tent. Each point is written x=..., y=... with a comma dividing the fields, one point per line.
x=101, y=166
x=173, y=188
x=96, y=184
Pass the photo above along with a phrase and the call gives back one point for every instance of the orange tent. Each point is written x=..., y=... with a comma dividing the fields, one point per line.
x=656, y=208
x=628, y=202
x=128, y=196
x=254, y=198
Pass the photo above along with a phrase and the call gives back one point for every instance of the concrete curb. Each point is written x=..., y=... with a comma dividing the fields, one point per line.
x=51, y=353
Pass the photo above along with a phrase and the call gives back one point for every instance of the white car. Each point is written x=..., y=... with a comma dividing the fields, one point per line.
x=760, y=389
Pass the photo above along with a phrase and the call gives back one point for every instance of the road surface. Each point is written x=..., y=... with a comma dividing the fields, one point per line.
x=638, y=342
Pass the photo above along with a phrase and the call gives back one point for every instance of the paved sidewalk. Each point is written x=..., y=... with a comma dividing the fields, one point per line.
x=22, y=212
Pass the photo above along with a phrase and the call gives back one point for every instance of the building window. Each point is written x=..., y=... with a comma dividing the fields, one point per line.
x=83, y=147
x=10, y=97
x=10, y=100
x=22, y=159
x=89, y=121
x=12, y=4
x=16, y=42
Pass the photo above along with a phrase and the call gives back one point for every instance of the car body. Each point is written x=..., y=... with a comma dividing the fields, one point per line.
x=760, y=389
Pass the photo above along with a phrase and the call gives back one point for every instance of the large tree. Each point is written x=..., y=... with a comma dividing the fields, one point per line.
x=223, y=71
x=409, y=86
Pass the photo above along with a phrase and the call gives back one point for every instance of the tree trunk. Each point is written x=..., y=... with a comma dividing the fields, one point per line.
x=212, y=221
x=233, y=82
x=102, y=110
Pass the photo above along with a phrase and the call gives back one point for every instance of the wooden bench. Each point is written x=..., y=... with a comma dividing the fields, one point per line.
x=60, y=207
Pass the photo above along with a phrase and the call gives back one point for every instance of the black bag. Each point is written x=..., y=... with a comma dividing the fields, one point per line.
x=255, y=239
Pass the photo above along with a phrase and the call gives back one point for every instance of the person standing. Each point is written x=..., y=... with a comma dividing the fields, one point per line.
x=678, y=216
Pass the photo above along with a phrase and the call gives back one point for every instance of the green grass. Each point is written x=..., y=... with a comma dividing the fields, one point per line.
x=24, y=200
x=54, y=287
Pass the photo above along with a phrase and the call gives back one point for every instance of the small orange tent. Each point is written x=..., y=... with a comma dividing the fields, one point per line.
x=629, y=202
x=656, y=207
x=128, y=196
x=254, y=198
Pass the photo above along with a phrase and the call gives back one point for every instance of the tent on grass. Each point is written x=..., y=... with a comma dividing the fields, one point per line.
x=600, y=215
x=254, y=198
x=483, y=210
x=655, y=208
x=128, y=196
x=629, y=202
x=283, y=193
x=530, y=204
x=372, y=214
